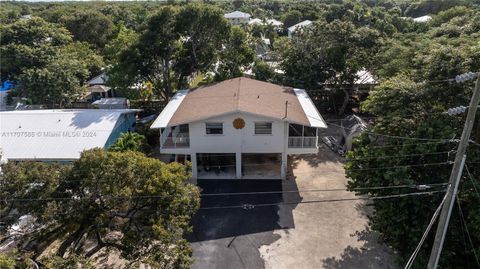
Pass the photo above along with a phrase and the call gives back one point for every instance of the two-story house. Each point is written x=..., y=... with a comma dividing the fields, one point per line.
x=239, y=128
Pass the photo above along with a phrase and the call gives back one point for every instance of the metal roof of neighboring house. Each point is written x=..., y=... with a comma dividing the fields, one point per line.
x=274, y=22
x=236, y=14
x=422, y=18
x=256, y=21
x=240, y=95
x=293, y=28
x=98, y=80
x=55, y=134
x=111, y=101
x=98, y=88
x=268, y=21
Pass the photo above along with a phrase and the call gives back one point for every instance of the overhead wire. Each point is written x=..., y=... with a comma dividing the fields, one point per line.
x=424, y=186
x=474, y=184
x=468, y=233
x=251, y=206
x=425, y=233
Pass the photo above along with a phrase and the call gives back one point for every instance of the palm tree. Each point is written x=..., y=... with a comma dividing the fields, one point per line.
x=129, y=141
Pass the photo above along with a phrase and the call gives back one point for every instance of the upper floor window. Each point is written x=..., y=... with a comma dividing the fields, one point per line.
x=263, y=128
x=214, y=128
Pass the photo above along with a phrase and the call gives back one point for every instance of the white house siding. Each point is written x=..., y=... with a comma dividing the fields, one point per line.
x=239, y=141
x=233, y=140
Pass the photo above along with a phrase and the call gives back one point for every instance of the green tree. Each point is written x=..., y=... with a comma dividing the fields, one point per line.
x=90, y=26
x=204, y=31
x=151, y=57
x=128, y=141
x=29, y=43
x=56, y=83
x=292, y=17
x=48, y=67
x=407, y=106
x=330, y=53
x=237, y=55
x=124, y=39
x=263, y=71
x=175, y=44
x=109, y=201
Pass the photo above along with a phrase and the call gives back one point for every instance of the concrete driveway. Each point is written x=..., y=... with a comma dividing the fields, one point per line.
x=294, y=235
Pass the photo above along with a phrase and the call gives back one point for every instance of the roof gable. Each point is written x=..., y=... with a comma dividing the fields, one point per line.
x=237, y=14
x=239, y=95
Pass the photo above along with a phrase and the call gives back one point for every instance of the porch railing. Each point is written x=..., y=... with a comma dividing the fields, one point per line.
x=176, y=142
x=173, y=138
x=302, y=142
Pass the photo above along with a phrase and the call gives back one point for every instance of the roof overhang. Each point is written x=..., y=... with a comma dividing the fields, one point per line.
x=309, y=109
x=167, y=113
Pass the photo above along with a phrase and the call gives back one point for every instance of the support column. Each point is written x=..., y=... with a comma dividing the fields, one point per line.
x=283, y=172
x=193, y=159
x=238, y=165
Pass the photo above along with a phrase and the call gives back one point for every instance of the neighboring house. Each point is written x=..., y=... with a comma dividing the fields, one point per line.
x=60, y=135
x=425, y=18
x=292, y=29
x=112, y=103
x=275, y=23
x=237, y=17
x=239, y=128
x=97, y=88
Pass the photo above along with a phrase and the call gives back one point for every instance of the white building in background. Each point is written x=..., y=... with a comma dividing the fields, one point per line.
x=292, y=29
x=237, y=17
x=60, y=135
x=275, y=23
x=425, y=18
x=239, y=128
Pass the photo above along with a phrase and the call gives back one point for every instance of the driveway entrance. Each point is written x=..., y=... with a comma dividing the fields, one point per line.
x=284, y=233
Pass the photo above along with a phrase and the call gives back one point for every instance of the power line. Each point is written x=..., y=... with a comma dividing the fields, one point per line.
x=466, y=229
x=424, y=236
x=394, y=136
x=412, y=144
x=414, y=186
x=398, y=156
x=400, y=166
x=417, y=186
x=473, y=181
x=251, y=206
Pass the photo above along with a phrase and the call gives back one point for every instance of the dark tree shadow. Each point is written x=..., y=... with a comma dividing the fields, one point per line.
x=220, y=217
x=83, y=120
x=372, y=254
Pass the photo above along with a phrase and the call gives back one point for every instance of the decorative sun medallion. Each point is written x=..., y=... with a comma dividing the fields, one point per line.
x=238, y=123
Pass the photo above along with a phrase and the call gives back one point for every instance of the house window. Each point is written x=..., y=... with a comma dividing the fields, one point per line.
x=263, y=128
x=214, y=128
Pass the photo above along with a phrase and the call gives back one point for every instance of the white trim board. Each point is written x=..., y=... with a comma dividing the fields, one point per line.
x=167, y=113
x=309, y=109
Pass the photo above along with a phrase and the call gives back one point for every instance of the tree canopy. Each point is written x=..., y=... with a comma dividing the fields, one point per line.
x=106, y=201
x=46, y=64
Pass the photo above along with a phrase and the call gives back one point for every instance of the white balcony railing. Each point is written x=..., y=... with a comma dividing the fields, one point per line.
x=302, y=142
x=173, y=138
x=177, y=142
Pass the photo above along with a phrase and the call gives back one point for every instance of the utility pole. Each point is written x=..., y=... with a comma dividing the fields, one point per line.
x=454, y=179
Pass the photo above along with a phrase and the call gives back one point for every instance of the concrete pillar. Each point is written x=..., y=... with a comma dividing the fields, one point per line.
x=284, y=166
x=193, y=158
x=238, y=165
